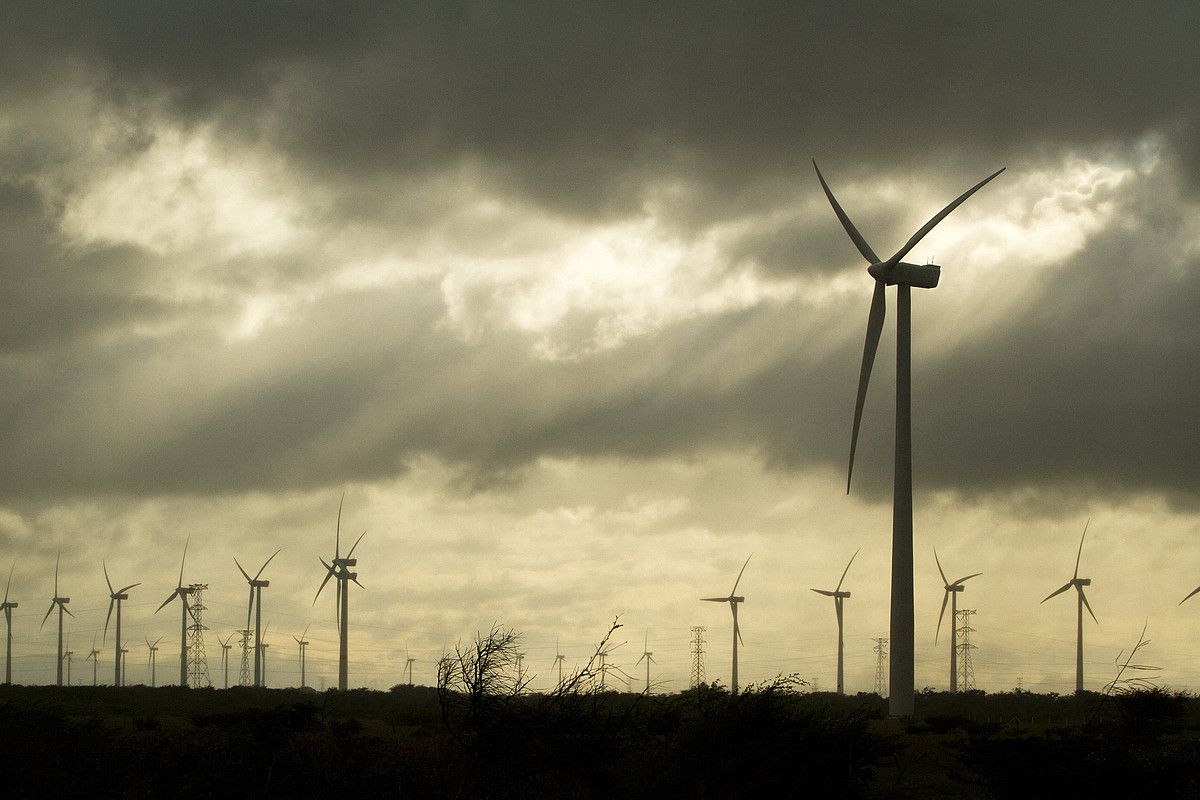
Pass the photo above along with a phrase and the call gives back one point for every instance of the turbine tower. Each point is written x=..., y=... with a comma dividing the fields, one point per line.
x=61, y=602
x=339, y=569
x=648, y=657
x=182, y=592
x=153, y=661
x=1080, y=602
x=839, y=597
x=115, y=598
x=733, y=599
x=8, y=607
x=904, y=276
x=952, y=590
x=303, y=644
x=256, y=587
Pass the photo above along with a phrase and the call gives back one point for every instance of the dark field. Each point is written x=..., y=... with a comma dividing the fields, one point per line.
x=768, y=742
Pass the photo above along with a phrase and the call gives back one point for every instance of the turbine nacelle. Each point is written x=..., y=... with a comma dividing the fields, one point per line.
x=263, y=584
x=1082, y=581
x=922, y=276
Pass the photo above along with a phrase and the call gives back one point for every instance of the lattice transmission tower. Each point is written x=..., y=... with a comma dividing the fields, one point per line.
x=197, y=659
x=966, y=670
x=697, y=655
x=244, y=677
x=881, y=648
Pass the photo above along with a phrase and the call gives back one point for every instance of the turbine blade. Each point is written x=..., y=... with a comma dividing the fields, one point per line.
x=939, y=566
x=250, y=607
x=739, y=577
x=847, y=569
x=1080, y=553
x=972, y=575
x=715, y=599
x=337, y=540
x=245, y=574
x=56, y=560
x=356, y=582
x=640, y=660
x=874, y=330
x=356, y=541
x=825, y=592
x=69, y=614
x=111, y=603
x=1190, y=595
x=170, y=597
x=1083, y=596
x=106, y=580
x=855, y=236
x=942, y=613
x=1065, y=586
x=7, y=585
x=47, y=615
x=268, y=561
x=328, y=575
x=938, y=217
x=127, y=588
x=183, y=560
x=737, y=629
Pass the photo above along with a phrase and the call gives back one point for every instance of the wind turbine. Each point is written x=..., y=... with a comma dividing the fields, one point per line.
x=262, y=645
x=256, y=587
x=339, y=569
x=559, y=658
x=1080, y=602
x=124, y=660
x=409, y=661
x=91, y=656
x=733, y=599
x=67, y=655
x=893, y=271
x=648, y=657
x=839, y=597
x=153, y=661
x=8, y=607
x=303, y=644
x=115, y=600
x=182, y=593
x=61, y=602
x=225, y=645
x=952, y=590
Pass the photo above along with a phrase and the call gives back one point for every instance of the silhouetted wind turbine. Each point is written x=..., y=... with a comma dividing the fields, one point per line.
x=92, y=656
x=8, y=607
x=225, y=645
x=153, y=661
x=256, y=587
x=838, y=598
x=559, y=658
x=115, y=598
x=262, y=646
x=303, y=644
x=182, y=593
x=1080, y=602
x=952, y=590
x=409, y=661
x=339, y=570
x=733, y=599
x=61, y=602
x=648, y=657
x=67, y=655
x=893, y=271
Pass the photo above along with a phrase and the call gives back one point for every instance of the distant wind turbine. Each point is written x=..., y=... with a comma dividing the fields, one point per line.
x=893, y=271
x=303, y=643
x=256, y=587
x=67, y=655
x=339, y=570
x=648, y=657
x=733, y=599
x=225, y=646
x=952, y=590
x=559, y=658
x=182, y=592
x=115, y=598
x=409, y=661
x=839, y=597
x=1080, y=601
x=92, y=656
x=61, y=602
x=8, y=607
x=153, y=660
x=262, y=646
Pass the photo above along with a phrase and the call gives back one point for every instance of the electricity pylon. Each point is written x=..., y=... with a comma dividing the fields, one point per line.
x=697, y=655
x=197, y=658
x=966, y=670
x=244, y=676
x=881, y=646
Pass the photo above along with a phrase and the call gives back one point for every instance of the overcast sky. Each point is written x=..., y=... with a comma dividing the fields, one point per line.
x=553, y=295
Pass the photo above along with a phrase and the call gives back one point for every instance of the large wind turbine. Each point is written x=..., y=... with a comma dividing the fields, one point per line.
x=952, y=590
x=61, y=602
x=339, y=569
x=182, y=593
x=893, y=271
x=256, y=587
x=839, y=597
x=733, y=599
x=8, y=607
x=1080, y=601
x=115, y=598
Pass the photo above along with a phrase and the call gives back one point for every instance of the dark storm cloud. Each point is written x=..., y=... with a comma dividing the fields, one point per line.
x=581, y=107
